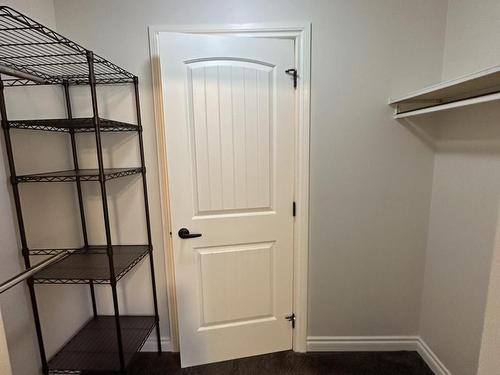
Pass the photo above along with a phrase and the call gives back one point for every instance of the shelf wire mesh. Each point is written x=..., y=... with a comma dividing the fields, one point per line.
x=90, y=264
x=82, y=174
x=93, y=348
x=78, y=125
x=31, y=48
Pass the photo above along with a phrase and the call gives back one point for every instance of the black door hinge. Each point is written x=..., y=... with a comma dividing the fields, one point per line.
x=291, y=318
x=294, y=209
x=293, y=72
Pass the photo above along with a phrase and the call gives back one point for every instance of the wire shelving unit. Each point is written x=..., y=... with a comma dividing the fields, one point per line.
x=32, y=55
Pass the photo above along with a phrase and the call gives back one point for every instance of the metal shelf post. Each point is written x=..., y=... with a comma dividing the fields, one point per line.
x=146, y=208
x=104, y=197
x=22, y=231
x=76, y=167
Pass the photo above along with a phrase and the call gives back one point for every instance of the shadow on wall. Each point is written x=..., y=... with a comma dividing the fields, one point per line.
x=471, y=129
x=423, y=127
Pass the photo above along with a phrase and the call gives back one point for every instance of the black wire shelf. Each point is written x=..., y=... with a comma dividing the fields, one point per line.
x=46, y=57
x=32, y=54
x=94, y=348
x=91, y=264
x=82, y=174
x=78, y=125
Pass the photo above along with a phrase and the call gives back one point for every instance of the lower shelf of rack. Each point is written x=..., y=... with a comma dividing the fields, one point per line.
x=95, y=347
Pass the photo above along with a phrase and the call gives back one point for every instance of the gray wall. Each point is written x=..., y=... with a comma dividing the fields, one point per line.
x=472, y=35
x=466, y=188
x=370, y=177
x=489, y=361
x=461, y=235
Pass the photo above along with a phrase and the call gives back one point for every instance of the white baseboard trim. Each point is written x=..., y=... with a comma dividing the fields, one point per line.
x=360, y=343
x=377, y=343
x=151, y=346
x=350, y=344
x=431, y=358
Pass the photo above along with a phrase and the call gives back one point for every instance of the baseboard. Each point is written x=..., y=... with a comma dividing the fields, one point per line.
x=350, y=344
x=431, y=358
x=377, y=343
x=151, y=346
x=361, y=343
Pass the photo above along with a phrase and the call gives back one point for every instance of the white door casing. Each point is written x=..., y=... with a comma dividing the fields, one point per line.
x=229, y=117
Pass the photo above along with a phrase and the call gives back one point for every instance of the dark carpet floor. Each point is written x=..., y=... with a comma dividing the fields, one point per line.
x=339, y=363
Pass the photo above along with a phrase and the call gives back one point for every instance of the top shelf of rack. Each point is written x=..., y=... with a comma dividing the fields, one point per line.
x=479, y=87
x=33, y=55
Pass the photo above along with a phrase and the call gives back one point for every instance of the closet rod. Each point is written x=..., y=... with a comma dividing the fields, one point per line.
x=16, y=73
x=30, y=272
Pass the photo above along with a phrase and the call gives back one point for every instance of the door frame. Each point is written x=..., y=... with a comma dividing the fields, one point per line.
x=300, y=33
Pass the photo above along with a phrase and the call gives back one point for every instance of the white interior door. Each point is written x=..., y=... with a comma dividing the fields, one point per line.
x=229, y=111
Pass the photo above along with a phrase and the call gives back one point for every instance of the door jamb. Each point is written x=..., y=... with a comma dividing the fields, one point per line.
x=301, y=34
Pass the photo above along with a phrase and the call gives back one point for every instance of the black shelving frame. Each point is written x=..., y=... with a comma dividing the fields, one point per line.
x=32, y=54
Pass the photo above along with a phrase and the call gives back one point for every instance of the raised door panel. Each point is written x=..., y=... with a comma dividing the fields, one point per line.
x=236, y=284
x=231, y=127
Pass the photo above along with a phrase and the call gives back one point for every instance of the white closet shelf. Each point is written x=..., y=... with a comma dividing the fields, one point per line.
x=479, y=87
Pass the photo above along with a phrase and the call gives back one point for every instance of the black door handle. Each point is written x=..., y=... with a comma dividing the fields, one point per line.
x=184, y=233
